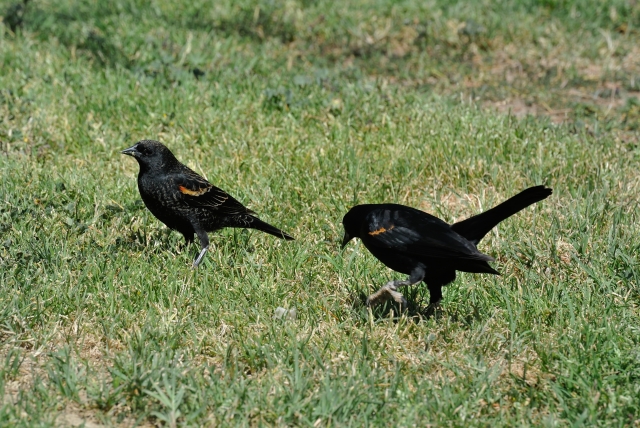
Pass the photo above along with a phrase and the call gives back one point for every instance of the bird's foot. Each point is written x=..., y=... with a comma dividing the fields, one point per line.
x=198, y=259
x=433, y=310
x=386, y=292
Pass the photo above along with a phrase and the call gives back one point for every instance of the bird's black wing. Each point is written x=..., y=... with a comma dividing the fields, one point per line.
x=413, y=232
x=197, y=192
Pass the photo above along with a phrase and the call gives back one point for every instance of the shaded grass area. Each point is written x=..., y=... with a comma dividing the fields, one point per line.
x=300, y=110
x=571, y=61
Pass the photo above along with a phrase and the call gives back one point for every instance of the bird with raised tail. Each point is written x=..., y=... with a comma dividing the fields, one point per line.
x=426, y=248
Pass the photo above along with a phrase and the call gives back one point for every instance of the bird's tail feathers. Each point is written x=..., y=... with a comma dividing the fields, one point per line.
x=476, y=227
x=258, y=224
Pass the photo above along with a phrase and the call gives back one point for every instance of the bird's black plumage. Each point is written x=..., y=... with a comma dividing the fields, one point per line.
x=426, y=248
x=185, y=201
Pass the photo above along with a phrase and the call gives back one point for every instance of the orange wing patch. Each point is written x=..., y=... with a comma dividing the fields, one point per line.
x=190, y=192
x=381, y=230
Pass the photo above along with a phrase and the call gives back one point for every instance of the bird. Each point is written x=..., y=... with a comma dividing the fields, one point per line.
x=426, y=248
x=185, y=201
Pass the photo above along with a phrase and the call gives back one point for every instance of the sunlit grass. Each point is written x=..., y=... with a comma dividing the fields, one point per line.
x=103, y=320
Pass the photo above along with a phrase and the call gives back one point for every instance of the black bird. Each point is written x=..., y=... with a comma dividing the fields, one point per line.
x=185, y=201
x=426, y=248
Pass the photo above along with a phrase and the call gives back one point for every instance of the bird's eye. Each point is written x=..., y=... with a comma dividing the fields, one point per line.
x=144, y=150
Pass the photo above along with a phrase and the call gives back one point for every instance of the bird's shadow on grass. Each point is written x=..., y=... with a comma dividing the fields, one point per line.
x=155, y=241
x=417, y=309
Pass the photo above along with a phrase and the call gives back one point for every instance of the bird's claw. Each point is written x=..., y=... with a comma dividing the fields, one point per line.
x=388, y=291
x=433, y=310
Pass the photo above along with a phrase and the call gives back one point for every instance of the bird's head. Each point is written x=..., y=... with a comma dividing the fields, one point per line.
x=352, y=223
x=150, y=154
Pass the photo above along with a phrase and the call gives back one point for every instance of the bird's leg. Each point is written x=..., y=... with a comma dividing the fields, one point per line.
x=435, y=296
x=198, y=259
x=204, y=243
x=390, y=289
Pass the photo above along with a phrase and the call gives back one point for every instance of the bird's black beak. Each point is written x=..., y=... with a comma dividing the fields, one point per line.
x=345, y=240
x=131, y=151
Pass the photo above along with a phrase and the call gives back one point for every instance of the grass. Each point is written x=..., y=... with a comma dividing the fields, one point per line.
x=300, y=110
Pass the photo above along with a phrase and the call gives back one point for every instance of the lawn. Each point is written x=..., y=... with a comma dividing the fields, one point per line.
x=301, y=109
